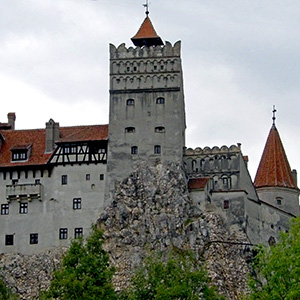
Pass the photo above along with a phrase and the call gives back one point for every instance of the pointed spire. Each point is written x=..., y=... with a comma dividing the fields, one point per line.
x=274, y=169
x=146, y=35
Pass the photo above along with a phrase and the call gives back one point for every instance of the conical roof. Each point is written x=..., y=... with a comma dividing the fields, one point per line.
x=146, y=35
x=274, y=169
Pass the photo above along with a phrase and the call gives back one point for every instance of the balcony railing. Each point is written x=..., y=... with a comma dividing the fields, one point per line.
x=24, y=192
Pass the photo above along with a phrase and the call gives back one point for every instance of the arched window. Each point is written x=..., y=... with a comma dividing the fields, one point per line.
x=157, y=149
x=130, y=102
x=160, y=100
x=134, y=150
x=159, y=129
x=279, y=200
x=129, y=129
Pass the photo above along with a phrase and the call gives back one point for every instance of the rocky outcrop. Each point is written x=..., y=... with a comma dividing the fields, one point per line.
x=27, y=275
x=152, y=211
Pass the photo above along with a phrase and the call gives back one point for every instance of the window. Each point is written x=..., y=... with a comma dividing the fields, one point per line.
x=34, y=238
x=4, y=209
x=73, y=149
x=160, y=100
x=63, y=233
x=37, y=181
x=77, y=203
x=130, y=102
x=159, y=129
x=226, y=204
x=279, y=200
x=15, y=181
x=129, y=129
x=157, y=149
x=9, y=240
x=20, y=155
x=101, y=176
x=134, y=150
x=23, y=208
x=64, y=179
x=78, y=232
x=87, y=177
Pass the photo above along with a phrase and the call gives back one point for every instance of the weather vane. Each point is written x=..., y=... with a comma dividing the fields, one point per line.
x=274, y=116
x=146, y=5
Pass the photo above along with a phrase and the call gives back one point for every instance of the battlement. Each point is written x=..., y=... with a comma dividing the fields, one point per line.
x=233, y=149
x=122, y=52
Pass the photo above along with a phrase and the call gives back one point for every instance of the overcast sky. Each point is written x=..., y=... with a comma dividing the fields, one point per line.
x=240, y=57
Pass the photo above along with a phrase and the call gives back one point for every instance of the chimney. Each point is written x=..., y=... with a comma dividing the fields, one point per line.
x=294, y=174
x=11, y=118
x=52, y=135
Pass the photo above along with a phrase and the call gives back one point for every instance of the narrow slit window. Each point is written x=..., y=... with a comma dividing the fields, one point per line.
x=134, y=150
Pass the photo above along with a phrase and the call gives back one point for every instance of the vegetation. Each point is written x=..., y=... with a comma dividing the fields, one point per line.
x=179, y=276
x=6, y=293
x=85, y=273
x=277, y=269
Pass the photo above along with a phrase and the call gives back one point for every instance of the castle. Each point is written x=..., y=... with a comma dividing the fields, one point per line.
x=54, y=182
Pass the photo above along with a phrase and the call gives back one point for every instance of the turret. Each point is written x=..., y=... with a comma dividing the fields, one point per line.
x=275, y=182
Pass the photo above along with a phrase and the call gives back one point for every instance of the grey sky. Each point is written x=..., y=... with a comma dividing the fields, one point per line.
x=239, y=58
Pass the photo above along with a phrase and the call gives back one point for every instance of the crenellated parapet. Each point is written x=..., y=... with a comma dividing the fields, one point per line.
x=214, y=150
x=221, y=164
x=145, y=68
x=122, y=52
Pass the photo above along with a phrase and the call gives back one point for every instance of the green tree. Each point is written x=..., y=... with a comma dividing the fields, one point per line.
x=179, y=276
x=6, y=293
x=277, y=269
x=85, y=272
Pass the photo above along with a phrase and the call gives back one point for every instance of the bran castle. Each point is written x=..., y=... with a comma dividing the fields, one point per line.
x=54, y=182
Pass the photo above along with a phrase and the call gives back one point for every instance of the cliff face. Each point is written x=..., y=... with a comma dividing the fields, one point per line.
x=152, y=211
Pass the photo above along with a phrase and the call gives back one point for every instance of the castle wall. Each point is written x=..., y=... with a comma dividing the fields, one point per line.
x=54, y=209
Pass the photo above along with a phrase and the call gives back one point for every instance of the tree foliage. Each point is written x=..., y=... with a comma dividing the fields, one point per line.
x=6, y=293
x=85, y=273
x=179, y=276
x=277, y=269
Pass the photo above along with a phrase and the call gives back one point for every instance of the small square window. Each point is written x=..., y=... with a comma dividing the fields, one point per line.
x=101, y=176
x=9, y=240
x=134, y=150
x=77, y=203
x=157, y=149
x=87, y=177
x=63, y=233
x=160, y=100
x=78, y=232
x=4, y=209
x=23, y=208
x=64, y=179
x=226, y=204
x=34, y=238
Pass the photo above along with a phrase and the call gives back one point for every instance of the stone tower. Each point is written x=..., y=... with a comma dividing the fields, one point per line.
x=275, y=183
x=147, y=113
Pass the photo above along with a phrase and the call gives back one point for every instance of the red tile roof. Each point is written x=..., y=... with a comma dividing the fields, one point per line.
x=147, y=35
x=274, y=169
x=198, y=183
x=36, y=138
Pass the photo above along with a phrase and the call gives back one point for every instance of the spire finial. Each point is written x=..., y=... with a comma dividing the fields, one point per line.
x=274, y=116
x=146, y=5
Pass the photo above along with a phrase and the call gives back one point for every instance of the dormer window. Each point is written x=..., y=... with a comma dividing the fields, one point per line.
x=20, y=153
